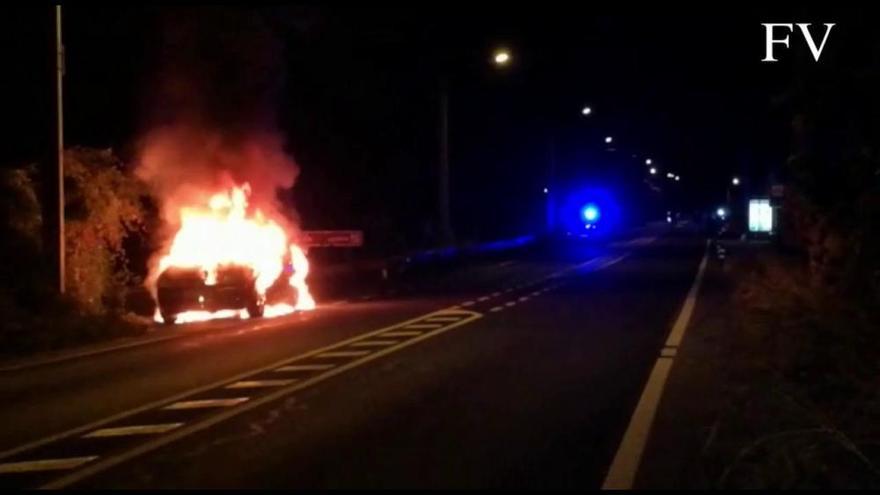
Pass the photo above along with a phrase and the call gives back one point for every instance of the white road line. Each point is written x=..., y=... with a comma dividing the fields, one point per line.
x=204, y=404
x=375, y=343
x=625, y=465
x=511, y=303
x=123, y=431
x=305, y=367
x=401, y=334
x=495, y=294
x=482, y=299
x=623, y=469
x=45, y=465
x=496, y=309
x=612, y=262
x=467, y=304
x=336, y=354
x=426, y=325
x=523, y=298
x=684, y=317
x=259, y=384
x=536, y=293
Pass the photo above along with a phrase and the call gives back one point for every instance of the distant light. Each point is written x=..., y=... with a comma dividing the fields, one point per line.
x=760, y=215
x=501, y=57
x=735, y=181
x=608, y=139
x=668, y=219
x=591, y=213
x=677, y=178
x=721, y=212
x=648, y=161
x=546, y=190
x=586, y=111
x=653, y=171
x=670, y=175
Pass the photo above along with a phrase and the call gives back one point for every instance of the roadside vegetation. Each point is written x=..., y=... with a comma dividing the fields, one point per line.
x=804, y=359
x=105, y=206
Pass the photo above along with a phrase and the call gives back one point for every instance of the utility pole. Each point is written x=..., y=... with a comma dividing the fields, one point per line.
x=446, y=234
x=59, y=142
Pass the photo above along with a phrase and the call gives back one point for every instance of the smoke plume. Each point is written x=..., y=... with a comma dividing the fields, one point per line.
x=211, y=118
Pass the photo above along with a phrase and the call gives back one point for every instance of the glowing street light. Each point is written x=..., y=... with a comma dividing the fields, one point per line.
x=677, y=178
x=653, y=171
x=586, y=111
x=670, y=175
x=735, y=181
x=648, y=161
x=608, y=139
x=501, y=57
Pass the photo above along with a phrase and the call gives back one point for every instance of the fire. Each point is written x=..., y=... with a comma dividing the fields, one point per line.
x=226, y=233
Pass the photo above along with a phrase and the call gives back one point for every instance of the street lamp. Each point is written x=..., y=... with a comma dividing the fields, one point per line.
x=586, y=111
x=608, y=139
x=653, y=171
x=670, y=175
x=735, y=181
x=677, y=178
x=648, y=161
x=501, y=57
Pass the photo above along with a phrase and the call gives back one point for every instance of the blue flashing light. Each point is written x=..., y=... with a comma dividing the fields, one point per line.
x=591, y=213
x=589, y=208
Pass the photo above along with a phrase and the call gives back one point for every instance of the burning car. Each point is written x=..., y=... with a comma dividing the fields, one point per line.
x=180, y=290
x=229, y=259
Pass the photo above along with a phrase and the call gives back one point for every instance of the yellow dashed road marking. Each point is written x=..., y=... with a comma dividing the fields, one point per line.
x=45, y=465
x=426, y=325
x=401, y=334
x=259, y=384
x=305, y=367
x=207, y=403
x=133, y=430
x=338, y=354
x=375, y=343
x=439, y=319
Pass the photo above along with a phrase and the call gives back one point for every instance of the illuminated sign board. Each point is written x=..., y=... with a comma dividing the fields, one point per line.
x=760, y=215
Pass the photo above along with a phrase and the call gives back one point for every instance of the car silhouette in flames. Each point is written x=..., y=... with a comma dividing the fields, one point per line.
x=183, y=290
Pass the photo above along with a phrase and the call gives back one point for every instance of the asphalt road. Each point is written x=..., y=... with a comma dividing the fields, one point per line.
x=512, y=372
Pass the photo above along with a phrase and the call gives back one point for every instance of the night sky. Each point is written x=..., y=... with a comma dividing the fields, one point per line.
x=354, y=92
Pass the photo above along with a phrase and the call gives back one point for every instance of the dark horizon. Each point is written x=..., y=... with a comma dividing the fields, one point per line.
x=353, y=91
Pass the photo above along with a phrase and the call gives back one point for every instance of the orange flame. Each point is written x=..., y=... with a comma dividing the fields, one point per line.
x=226, y=233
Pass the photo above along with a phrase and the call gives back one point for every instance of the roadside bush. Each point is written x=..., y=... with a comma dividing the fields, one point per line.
x=811, y=409
x=104, y=206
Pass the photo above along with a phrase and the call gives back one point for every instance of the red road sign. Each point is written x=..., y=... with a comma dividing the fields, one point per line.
x=333, y=238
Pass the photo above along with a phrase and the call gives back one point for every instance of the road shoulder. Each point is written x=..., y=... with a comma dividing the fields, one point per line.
x=770, y=387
